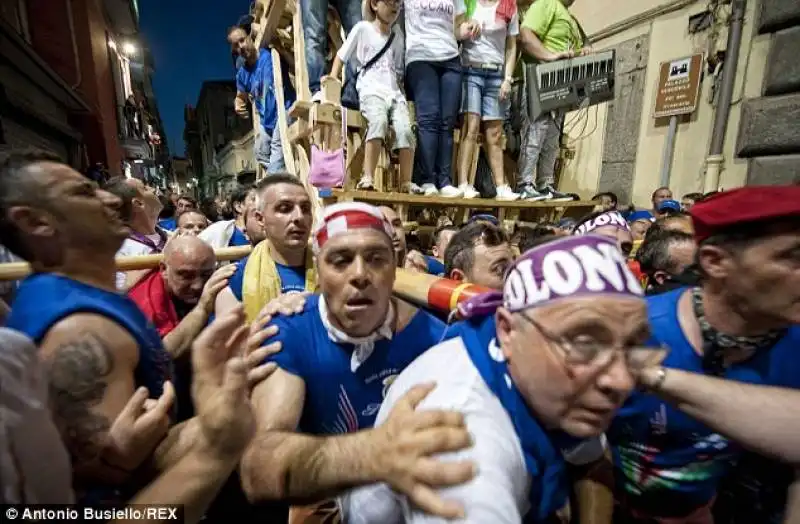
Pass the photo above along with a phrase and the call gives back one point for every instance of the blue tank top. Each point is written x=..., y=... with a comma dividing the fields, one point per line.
x=44, y=299
x=339, y=400
x=665, y=459
x=170, y=224
x=238, y=238
x=435, y=266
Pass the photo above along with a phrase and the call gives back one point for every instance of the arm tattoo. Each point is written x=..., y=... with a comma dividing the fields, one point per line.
x=78, y=378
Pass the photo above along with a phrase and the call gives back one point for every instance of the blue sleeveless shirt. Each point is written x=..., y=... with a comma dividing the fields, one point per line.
x=44, y=299
x=665, y=459
x=549, y=490
x=337, y=399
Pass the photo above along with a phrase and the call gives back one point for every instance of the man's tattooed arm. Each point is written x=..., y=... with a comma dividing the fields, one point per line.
x=78, y=373
x=90, y=363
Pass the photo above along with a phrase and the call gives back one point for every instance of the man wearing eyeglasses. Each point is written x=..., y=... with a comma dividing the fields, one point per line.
x=538, y=371
x=740, y=323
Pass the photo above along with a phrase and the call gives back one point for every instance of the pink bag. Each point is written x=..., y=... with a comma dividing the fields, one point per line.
x=327, y=168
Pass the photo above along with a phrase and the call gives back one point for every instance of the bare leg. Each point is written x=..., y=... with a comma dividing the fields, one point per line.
x=493, y=133
x=466, y=149
x=406, y=155
x=372, y=151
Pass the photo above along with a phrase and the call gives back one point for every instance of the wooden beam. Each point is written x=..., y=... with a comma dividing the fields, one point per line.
x=301, y=108
x=283, y=129
x=478, y=203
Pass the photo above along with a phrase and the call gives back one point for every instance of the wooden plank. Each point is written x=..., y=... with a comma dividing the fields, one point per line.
x=300, y=70
x=476, y=203
x=269, y=22
x=283, y=129
x=300, y=110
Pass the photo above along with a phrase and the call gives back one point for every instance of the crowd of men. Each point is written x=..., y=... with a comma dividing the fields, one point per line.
x=292, y=384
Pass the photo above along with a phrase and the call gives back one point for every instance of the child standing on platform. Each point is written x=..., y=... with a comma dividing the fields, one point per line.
x=380, y=98
x=489, y=61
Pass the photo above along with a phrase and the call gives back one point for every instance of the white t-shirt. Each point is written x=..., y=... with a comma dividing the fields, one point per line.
x=499, y=493
x=430, y=29
x=490, y=47
x=364, y=42
x=131, y=248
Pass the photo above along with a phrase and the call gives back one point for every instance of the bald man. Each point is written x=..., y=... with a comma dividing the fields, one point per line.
x=178, y=298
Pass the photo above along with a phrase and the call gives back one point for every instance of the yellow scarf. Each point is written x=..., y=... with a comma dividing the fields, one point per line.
x=262, y=282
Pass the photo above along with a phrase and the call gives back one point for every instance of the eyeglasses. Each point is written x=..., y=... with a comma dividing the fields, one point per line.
x=578, y=352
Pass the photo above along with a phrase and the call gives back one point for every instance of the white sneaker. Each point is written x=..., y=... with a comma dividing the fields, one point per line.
x=365, y=184
x=429, y=190
x=412, y=189
x=468, y=191
x=505, y=193
x=450, y=192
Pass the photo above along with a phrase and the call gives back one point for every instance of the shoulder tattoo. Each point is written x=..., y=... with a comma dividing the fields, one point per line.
x=78, y=373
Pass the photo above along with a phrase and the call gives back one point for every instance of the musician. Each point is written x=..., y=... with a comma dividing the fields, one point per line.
x=339, y=356
x=538, y=371
x=548, y=33
x=740, y=323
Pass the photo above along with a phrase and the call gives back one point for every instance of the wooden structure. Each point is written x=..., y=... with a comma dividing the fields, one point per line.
x=279, y=24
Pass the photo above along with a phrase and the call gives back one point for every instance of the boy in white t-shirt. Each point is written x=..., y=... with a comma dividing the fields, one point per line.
x=379, y=93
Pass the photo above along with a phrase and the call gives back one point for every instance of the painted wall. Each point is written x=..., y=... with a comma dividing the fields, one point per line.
x=669, y=39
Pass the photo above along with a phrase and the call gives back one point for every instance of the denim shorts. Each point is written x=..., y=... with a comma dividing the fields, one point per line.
x=481, y=94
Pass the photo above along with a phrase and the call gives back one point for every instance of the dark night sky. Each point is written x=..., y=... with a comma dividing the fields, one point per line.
x=187, y=40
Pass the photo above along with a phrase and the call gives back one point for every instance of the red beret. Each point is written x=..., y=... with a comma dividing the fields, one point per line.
x=744, y=205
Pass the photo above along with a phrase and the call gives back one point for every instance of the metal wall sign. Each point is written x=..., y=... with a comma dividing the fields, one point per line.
x=678, y=86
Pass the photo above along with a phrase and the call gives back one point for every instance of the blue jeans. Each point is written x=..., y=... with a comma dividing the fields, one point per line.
x=315, y=34
x=435, y=88
x=269, y=151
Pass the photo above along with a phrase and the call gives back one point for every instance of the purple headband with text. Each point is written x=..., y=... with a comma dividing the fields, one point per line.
x=609, y=218
x=576, y=266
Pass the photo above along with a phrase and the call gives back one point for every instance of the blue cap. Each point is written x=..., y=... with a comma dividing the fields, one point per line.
x=640, y=215
x=567, y=223
x=674, y=205
x=484, y=217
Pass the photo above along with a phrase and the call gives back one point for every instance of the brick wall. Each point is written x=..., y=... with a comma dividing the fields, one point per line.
x=769, y=132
